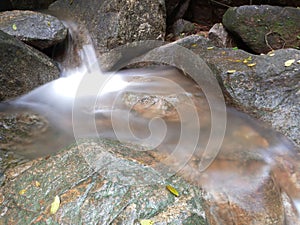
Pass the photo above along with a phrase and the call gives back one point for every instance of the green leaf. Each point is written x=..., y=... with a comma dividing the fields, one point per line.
x=146, y=222
x=14, y=27
x=55, y=205
x=172, y=190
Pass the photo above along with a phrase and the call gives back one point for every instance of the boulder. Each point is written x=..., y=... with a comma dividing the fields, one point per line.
x=22, y=68
x=36, y=29
x=265, y=86
x=264, y=28
x=114, y=23
x=182, y=26
x=211, y=12
x=97, y=197
x=220, y=37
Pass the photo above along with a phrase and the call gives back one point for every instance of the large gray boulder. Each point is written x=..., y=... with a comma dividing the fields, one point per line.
x=89, y=197
x=36, y=29
x=264, y=28
x=264, y=86
x=114, y=23
x=22, y=68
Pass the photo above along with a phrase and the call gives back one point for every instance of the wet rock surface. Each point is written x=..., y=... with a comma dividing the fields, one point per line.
x=22, y=68
x=264, y=28
x=93, y=198
x=36, y=29
x=115, y=23
x=262, y=86
x=126, y=182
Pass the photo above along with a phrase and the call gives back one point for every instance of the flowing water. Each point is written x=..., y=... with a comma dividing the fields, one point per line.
x=131, y=107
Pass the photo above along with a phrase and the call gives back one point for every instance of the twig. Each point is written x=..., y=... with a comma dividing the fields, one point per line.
x=220, y=3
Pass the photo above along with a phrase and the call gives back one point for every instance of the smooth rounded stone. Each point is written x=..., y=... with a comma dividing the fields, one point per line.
x=264, y=28
x=115, y=23
x=33, y=4
x=22, y=68
x=36, y=29
x=220, y=37
x=261, y=86
x=211, y=12
x=182, y=26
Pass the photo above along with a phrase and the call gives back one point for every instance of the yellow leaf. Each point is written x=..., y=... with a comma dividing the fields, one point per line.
x=251, y=64
x=231, y=71
x=194, y=45
x=172, y=190
x=37, y=184
x=48, y=23
x=210, y=48
x=289, y=62
x=245, y=61
x=146, y=222
x=271, y=53
x=55, y=205
x=22, y=192
x=14, y=27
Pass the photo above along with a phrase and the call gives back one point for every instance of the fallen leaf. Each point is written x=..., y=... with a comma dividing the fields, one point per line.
x=14, y=27
x=194, y=45
x=22, y=192
x=210, y=48
x=289, y=62
x=55, y=205
x=235, y=48
x=172, y=190
x=251, y=64
x=271, y=53
x=37, y=184
x=231, y=71
x=146, y=222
